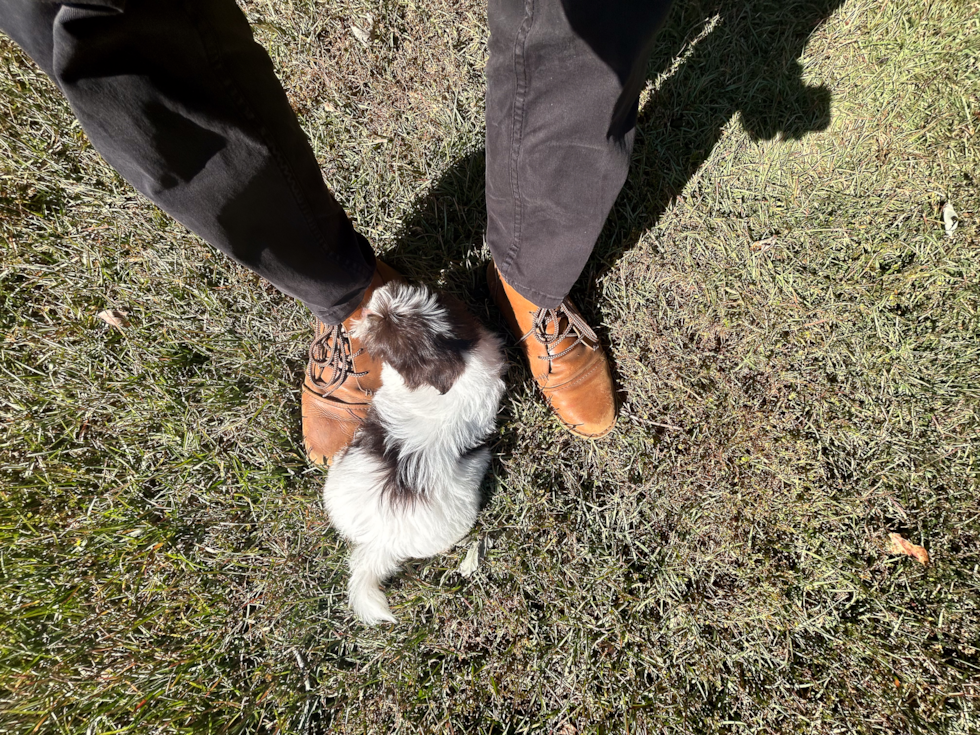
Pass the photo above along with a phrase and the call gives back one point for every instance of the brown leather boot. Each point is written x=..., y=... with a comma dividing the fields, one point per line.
x=341, y=380
x=566, y=359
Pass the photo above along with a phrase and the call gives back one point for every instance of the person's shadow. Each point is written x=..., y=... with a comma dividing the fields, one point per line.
x=711, y=61
x=715, y=59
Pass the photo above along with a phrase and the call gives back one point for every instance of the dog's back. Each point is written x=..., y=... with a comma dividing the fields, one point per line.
x=408, y=485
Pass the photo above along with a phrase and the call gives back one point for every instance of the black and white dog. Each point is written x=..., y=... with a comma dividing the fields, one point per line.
x=408, y=485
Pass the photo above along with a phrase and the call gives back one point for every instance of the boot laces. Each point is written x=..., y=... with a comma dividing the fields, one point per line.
x=332, y=351
x=574, y=326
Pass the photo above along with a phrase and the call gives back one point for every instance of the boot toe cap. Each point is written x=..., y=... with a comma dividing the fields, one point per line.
x=586, y=406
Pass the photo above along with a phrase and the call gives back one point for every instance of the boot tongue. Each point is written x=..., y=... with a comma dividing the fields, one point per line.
x=561, y=330
x=550, y=325
x=333, y=359
x=556, y=324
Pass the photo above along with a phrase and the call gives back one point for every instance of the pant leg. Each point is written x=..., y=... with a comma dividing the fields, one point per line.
x=178, y=98
x=563, y=83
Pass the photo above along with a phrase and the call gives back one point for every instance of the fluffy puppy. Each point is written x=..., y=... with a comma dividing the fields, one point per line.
x=408, y=485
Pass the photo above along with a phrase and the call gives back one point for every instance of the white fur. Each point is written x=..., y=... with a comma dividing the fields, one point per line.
x=417, y=299
x=434, y=432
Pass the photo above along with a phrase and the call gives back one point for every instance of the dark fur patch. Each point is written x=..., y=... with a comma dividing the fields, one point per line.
x=371, y=438
x=464, y=325
x=408, y=342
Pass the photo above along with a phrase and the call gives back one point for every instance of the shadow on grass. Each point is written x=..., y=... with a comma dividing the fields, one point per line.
x=734, y=57
x=719, y=59
x=714, y=60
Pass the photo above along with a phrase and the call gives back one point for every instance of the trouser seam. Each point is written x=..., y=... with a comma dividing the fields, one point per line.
x=517, y=133
x=282, y=162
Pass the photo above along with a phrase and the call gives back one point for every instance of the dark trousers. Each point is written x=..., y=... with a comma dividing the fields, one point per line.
x=180, y=100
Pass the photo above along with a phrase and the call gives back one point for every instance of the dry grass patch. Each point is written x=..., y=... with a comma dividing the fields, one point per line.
x=796, y=340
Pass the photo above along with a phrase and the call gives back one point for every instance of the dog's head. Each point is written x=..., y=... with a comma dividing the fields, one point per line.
x=424, y=336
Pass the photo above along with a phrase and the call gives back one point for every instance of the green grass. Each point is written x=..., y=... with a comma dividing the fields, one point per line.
x=797, y=339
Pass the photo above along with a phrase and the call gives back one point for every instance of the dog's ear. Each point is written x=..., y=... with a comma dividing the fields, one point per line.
x=446, y=372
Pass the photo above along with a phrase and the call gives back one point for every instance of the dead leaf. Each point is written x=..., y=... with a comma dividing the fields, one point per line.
x=115, y=318
x=950, y=219
x=900, y=545
x=364, y=31
x=475, y=555
x=568, y=729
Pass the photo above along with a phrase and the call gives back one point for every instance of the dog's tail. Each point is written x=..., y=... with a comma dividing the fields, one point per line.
x=369, y=567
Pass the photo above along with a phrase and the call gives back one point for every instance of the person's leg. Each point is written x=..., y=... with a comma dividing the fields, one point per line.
x=563, y=82
x=177, y=96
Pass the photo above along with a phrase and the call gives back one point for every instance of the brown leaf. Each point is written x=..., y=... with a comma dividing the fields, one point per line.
x=365, y=31
x=115, y=318
x=760, y=246
x=900, y=545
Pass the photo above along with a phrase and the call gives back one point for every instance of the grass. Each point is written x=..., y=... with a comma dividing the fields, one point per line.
x=796, y=339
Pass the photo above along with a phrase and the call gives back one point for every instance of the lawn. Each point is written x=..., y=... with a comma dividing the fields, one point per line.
x=797, y=339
